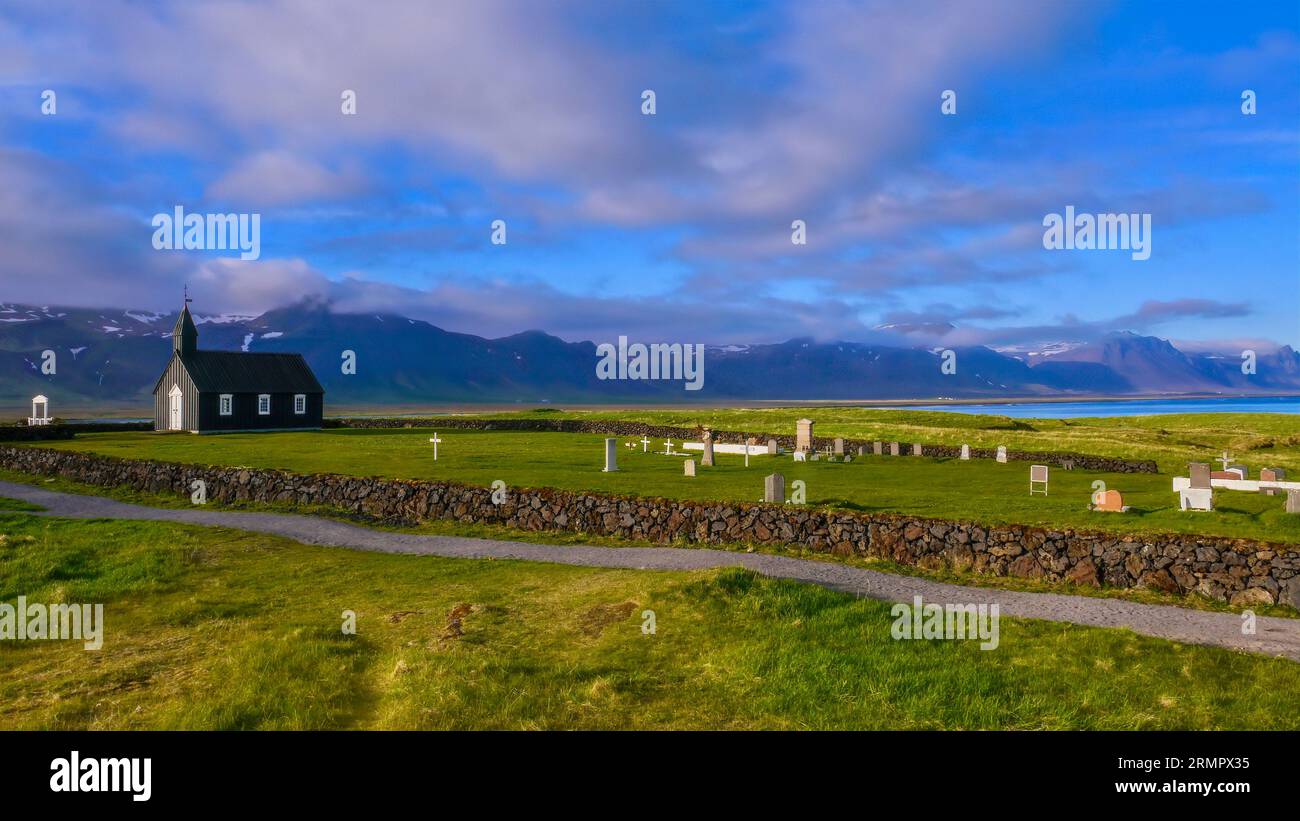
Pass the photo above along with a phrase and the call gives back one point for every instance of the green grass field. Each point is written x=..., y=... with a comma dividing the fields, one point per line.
x=209, y=628
x=978, y=490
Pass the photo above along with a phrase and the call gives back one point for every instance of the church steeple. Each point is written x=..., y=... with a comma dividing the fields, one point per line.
x=185, y=336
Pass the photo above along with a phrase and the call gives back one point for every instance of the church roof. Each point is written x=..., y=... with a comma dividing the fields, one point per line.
x=239, y=372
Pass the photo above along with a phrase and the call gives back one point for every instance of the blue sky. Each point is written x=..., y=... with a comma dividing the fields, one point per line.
x=922, y=228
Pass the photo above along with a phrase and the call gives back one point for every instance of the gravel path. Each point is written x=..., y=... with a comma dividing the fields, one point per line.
x=1274, y=636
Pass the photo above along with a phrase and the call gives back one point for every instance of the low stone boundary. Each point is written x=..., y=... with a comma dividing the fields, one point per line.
x=1244, y=572
x=64, y=430
x=636, y=429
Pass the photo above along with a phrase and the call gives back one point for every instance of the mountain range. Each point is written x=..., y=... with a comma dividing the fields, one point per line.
x=112, y=358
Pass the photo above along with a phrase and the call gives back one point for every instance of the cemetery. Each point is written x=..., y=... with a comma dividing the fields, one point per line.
x=955, y=483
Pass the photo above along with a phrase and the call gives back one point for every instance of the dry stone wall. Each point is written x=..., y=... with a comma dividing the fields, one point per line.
x=1244, y=572
x=25, y=433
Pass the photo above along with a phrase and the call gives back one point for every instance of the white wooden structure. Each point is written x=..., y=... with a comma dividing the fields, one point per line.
x=1182, y=483
x=40, y=411
x=1037, y=476
x=719, y=447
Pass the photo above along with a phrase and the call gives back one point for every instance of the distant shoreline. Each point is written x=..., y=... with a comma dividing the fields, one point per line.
x=419, y=409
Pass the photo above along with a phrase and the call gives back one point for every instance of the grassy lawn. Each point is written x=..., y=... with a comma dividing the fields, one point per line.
x=1258, y=439
x=977, y=490
x=209, y=628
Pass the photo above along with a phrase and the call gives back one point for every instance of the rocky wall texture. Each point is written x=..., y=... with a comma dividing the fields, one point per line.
x=24, y=433
x=1243, y=572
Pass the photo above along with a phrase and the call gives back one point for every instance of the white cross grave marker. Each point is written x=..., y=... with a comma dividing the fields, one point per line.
x=668, y=447
x=645, y=444
x=435, y=440
x=1225, y=459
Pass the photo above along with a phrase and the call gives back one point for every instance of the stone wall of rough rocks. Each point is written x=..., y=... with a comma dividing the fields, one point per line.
x=637, y=429
x=1244, y=572
x=24, y=433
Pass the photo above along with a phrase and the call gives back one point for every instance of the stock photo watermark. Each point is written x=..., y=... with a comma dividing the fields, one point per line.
x=1108, y=232
x=949, y=622
x=128, y=775
x=33, y=621
x=179, y=231
x=657, y=361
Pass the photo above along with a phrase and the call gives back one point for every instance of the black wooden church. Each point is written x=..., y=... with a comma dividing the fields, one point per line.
x=228, y=391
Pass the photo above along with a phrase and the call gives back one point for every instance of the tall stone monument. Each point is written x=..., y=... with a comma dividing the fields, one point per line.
x=803, y=435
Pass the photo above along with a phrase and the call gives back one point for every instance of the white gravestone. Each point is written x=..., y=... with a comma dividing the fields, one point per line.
x=690, y=467
x=965, y=452
x=1002, y=454
x=799, y=456
x=436, y=441
x=611, y=455
x=1196, y=498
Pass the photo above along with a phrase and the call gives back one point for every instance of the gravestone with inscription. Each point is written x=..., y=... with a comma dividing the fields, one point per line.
x=1199, y=473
